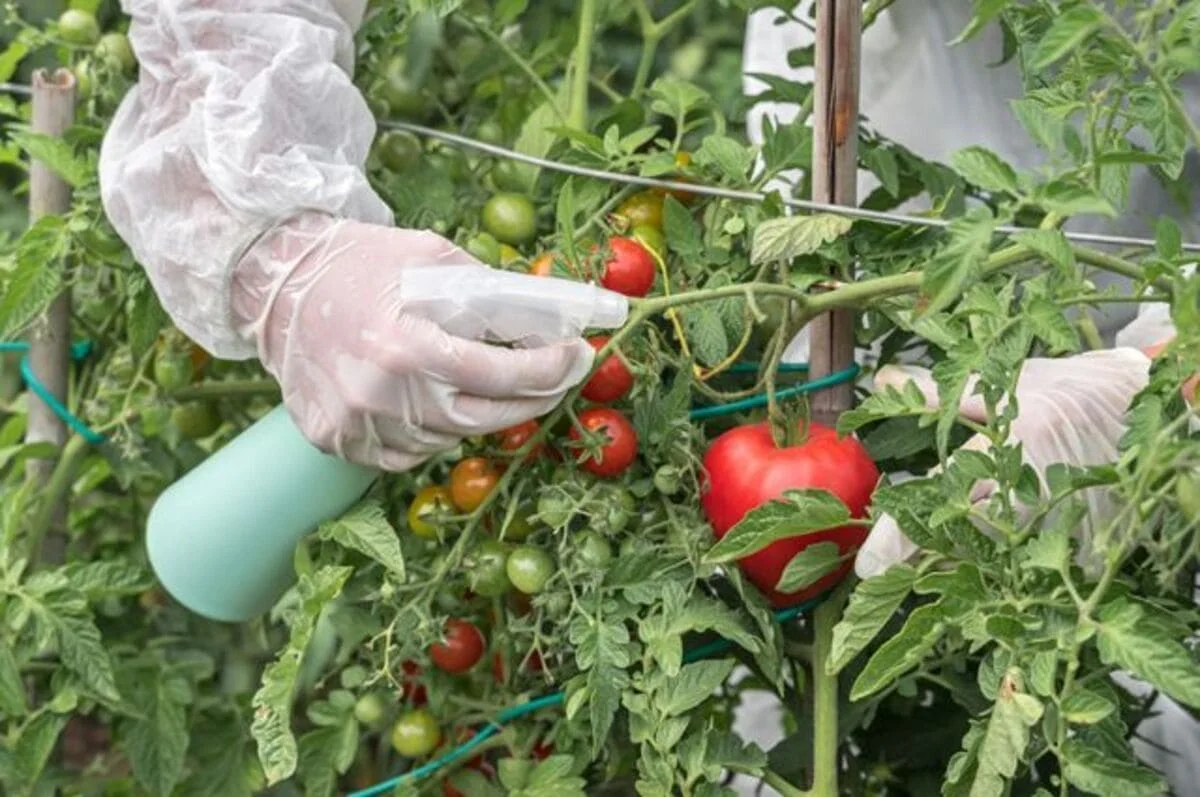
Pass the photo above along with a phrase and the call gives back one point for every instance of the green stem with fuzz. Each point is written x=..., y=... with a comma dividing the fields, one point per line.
x=577, y=117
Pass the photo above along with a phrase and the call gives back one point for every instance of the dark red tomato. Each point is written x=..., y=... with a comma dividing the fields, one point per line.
x=629, y=269
x=611, y=379
x=414, y=690
x=745, y=469
x=543, y=750
x=461, y=649
x=618, y=453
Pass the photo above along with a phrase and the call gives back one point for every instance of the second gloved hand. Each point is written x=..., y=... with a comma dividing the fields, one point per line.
x=1071, y=411
x=383, y=340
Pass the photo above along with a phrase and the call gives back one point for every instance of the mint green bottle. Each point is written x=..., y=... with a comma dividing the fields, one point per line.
x=222, y=538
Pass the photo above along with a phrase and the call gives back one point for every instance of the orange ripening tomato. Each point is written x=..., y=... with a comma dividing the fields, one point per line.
x=471, y=482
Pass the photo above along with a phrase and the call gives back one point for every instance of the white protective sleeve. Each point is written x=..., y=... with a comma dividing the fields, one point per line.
x=244, y=115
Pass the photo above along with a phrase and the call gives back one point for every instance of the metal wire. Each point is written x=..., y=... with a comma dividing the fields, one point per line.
x=898, y=219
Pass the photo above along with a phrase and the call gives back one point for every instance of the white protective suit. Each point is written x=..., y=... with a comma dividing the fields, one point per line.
x=935, y=99
x=235, y=172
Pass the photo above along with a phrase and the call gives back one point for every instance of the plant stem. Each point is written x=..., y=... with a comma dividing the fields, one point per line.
x=520, y=62
x=230, y=389
x=57, y=486
x=1156, y=76
x=578, y=115
x=825, y=699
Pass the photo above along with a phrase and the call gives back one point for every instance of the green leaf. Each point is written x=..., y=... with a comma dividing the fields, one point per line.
x=31, y=750
x=1049, y=323
x=272, y=702
x=1067, y=32
x=872, y=605
x=326, y=753
x=900, y=653
x=1051, y=244
x=156, y=737
x=809, y=566
x=365, y=528
x=984, y=168
x=1128, y=641
x=888, y=402
x=730, y=157
x=1047, y=551
x=11, y=58
x=1068, y=199
x=12, y=691
x=80, y=646
x=882, y=162
x=1086, y=707
x=708, y=614
x=37, y=278
x=1095, y=772
x=602, y=649
x=507, y=11
x=536, y=138
x=225, y=764
x=57, y=155
x=706, y=334
x=800, y=512
x=551, y=778
x=1006, y=739
x=957, y=265
x=985, y=12
x=676, y=98
x=108, y=578
x=681, y=231
x=144, y=316
x=789, y=237
x=695, y=684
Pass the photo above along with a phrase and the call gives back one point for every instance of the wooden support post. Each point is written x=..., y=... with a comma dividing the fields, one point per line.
x=50, y=339
x=835, y=179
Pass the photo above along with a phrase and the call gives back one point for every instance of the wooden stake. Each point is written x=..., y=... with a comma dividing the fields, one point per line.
x=835, y=180
x=50, y=341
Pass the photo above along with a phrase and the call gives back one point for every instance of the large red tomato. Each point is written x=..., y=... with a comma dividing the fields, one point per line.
x=630, y=269
x=745, y=469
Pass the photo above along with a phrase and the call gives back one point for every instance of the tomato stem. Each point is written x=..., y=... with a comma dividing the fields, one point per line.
x=825, y=698
x=578, y=115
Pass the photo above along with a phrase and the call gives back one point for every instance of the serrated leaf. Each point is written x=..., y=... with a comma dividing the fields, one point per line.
x=1049, y=323
x=681, y=231
x=536, y=138
x=601, y=649
x=985, y=12
x=365, y=528
x=882, y=162
x=326, y=753
x=272, y=703
x=887, y=402
x=57, y=155
x=789, y=237
x=156, y=737
x=31, y=750
x=706, y=335
x=112, y=577
x=1051, y=244
x=730, y=157
x=1047, y=551
x=809, y=566
x=30, y=287
x=984, y=168
x=695, y=683
x=225, y=765
x=1006, y=739
x=12, y=691
x=144, y=316
x=1067, y=199
x=551, y=778
x=872, y=605
x=900, y=653
x=1068, y=30
x=800, y=512
x=1095, y=772
x=1086, y=707
x=1145, y=650
x=80, y=646
x=11, y=58
x=958, y=263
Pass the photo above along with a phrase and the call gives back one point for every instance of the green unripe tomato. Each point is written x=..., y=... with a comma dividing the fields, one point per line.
x=507, y=176
x=370, y=710
x=511, y=218
x=398, y=150
x=487, y=569
x=196, y=420
x=485, y=247
x=114, y=48
x=529, y=568
x=554, y=510
x=416, y=734
x=593, y=550
x=172, y=370
x=78, y=27
x=667, y=480
x=612, y=511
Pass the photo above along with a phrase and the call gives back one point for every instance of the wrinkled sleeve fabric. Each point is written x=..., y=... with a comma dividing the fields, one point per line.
x=243, y=116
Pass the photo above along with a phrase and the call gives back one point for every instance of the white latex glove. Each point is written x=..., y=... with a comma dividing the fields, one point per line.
x=1072, y=411
x=377, y=337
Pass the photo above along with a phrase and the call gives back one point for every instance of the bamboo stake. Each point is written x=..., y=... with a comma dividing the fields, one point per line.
x=834, y=179
x=50, y=340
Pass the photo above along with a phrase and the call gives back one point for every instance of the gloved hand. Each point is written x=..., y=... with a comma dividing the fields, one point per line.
x=376, y=336
x=1071, y=412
